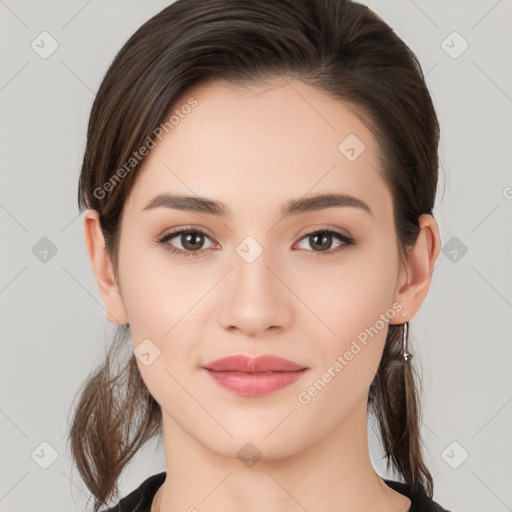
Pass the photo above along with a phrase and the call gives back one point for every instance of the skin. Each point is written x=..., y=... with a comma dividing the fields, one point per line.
x=255, y=149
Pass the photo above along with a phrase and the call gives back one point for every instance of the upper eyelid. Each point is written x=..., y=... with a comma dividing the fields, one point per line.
x=179, y=231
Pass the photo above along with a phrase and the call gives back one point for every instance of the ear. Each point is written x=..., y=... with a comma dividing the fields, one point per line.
x=416, y=275
x=102, y=268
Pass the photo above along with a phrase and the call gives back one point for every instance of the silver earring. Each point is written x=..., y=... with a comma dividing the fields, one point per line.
x=407, y=356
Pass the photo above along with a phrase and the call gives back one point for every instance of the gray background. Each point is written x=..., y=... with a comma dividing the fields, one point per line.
x=53, y=324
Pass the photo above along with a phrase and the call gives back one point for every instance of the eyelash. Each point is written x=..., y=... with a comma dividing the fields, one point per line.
x=347, y=241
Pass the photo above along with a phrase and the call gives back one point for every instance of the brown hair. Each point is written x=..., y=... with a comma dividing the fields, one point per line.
x=338, y=46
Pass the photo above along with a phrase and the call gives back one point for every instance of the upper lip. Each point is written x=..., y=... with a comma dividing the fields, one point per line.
x=246, y=364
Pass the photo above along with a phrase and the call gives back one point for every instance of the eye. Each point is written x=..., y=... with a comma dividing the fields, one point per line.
x=192, y=240
x=322, y=239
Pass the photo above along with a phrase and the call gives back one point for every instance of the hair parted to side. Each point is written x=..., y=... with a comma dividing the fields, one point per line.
x=340, y=47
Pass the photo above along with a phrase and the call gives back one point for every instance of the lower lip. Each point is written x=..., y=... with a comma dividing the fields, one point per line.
x=255, y=384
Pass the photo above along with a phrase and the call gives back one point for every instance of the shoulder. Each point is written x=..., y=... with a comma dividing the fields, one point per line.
x=420, y=502
x=140, y=499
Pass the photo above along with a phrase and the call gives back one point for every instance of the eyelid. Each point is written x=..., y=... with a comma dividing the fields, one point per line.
x=323, y=227
x=175, y=231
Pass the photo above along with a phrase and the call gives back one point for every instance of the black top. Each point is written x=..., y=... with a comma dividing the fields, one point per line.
x=140, y=499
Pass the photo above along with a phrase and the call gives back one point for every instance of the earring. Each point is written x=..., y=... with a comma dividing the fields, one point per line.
x=407, y=355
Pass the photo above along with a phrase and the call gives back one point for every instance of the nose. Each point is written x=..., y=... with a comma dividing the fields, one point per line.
x=255, y=299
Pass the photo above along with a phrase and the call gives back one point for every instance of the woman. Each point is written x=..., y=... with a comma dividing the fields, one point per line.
x=258, y=187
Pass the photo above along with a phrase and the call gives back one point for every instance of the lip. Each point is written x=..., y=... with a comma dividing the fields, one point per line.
x=246, y=364
x=258, y=376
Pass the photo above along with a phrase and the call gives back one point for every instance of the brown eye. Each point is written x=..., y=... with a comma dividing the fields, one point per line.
x=191, y=241
x=321, y=241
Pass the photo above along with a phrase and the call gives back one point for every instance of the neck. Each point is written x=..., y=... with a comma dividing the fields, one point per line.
x=332, y=474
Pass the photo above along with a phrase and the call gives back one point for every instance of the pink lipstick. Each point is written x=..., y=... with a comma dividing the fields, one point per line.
x=258, y=376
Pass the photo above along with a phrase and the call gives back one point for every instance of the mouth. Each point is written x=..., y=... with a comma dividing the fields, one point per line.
x=254, y=377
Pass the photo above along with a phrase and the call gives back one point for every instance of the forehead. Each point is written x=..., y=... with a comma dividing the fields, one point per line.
x=249, y=146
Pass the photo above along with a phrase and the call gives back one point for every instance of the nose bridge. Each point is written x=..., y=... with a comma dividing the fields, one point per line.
x=252, y=276
x=252, y=265
x=256, y=298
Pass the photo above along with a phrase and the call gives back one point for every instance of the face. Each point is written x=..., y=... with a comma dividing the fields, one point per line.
x=254, y=281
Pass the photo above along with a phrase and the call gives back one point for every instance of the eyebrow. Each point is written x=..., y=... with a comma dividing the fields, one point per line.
x=294, y=207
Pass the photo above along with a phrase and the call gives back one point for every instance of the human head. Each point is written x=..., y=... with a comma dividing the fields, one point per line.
x=341, y=49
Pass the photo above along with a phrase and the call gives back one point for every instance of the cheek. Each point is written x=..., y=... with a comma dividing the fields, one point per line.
x=354, y=300
x=348, y=359
x=152, y=290
x=162, y=302
x=351, y=296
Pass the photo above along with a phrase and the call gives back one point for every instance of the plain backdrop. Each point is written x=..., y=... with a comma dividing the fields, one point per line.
x=53, y=325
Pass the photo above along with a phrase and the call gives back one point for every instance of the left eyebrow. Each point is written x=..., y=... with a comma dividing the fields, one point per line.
x=294, y=207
